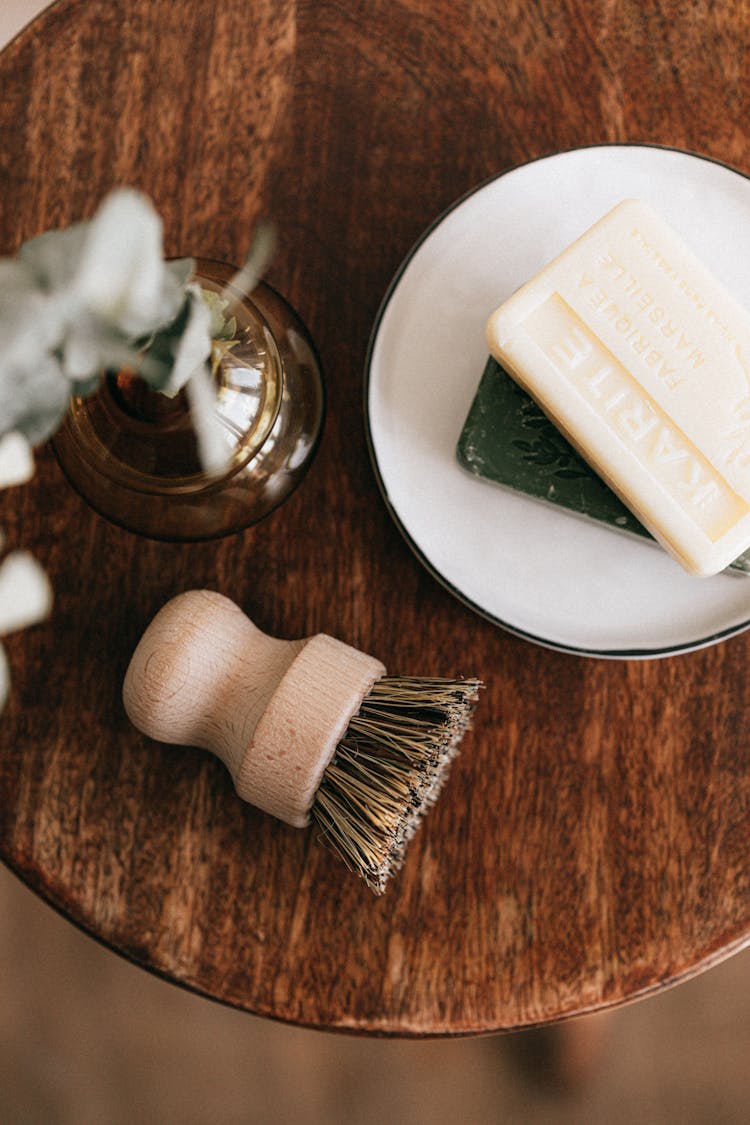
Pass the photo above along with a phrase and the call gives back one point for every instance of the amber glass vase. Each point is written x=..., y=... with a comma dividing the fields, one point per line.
x=132, y=453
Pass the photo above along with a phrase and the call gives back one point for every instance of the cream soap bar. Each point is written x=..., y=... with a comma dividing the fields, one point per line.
x=642, y=359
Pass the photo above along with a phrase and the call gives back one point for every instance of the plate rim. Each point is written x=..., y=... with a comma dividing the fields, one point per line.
x=635, y=653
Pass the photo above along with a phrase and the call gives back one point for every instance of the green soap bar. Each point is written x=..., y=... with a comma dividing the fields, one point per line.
x=508, y=440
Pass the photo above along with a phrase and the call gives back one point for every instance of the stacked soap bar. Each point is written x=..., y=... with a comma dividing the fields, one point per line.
x=507, y=440
x=642, y=361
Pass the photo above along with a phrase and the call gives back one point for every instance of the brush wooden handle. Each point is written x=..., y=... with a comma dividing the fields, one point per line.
x=272, y=710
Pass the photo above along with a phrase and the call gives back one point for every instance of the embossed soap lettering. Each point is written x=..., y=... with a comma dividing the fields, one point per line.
x=573, y=349
x=644, y=301
x=630, y=284
x=666, y=452
x=638, y=420
x=628, y=328
x=700, y=301
x=656, y=359
x=600, y=393
x=738, y=430
x=633, y=417
x=700, y=491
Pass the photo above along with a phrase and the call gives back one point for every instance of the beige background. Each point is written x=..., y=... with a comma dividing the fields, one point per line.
x=87, y=1039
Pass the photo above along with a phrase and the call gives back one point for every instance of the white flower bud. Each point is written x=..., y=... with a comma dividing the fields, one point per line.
x=25, y=592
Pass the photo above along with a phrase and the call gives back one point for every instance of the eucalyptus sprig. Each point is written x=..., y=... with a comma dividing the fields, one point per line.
x=94, y=297
x=25, y=591
x=98, y=296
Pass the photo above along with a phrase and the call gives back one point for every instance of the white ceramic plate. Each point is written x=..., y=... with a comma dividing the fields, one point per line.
x=545, y=574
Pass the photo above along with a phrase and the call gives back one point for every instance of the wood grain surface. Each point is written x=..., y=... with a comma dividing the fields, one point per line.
x=592, y=844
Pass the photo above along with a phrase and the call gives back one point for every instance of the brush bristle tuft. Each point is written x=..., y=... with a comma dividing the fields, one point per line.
x=388, y=770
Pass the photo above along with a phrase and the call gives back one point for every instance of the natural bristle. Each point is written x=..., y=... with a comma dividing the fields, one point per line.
x=388, y=769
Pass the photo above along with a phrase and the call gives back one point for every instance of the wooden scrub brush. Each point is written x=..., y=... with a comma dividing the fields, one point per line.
x=310, y=730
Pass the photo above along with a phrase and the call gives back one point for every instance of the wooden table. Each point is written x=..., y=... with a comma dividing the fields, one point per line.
x=592, y=845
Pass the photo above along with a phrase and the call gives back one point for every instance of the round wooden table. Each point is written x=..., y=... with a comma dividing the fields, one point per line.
x=592, y=844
